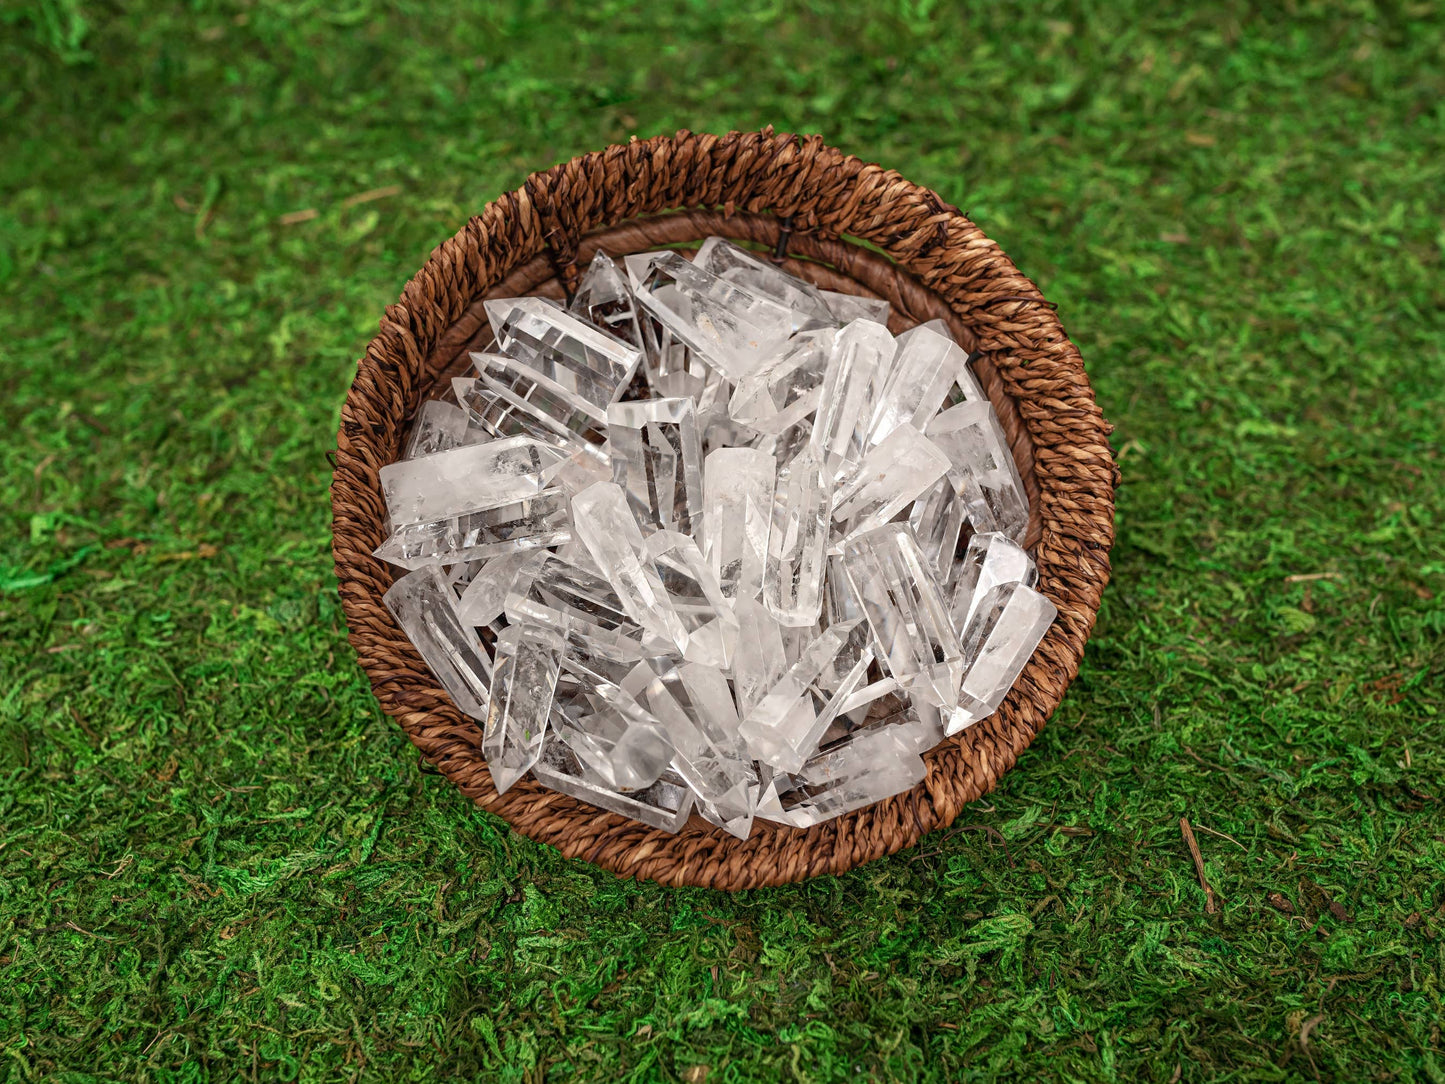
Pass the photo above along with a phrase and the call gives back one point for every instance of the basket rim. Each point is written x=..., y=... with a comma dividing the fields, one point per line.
x=776, y=189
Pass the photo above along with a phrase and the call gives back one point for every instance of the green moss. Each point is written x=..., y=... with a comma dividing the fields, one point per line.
x=217, y=858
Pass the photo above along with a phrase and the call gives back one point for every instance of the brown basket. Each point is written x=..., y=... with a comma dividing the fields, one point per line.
x=815, y=209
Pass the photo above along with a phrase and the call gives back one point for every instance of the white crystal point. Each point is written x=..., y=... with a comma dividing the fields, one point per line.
x=1006, y=626
x=760, y=658
x=485, y=596
x=728, y=261
x=900, y=596
x=784, y=389
x=737, y=493
x=983, y=468
x=927, y=366
x=712, y=627
x=524, y=679
x=601, y=721
x=575, y=601
x=605, y=525
x=439, y=427
x=664, y=805
x=465, y=479
x=798, y=541
x=862, y=353
x=656, y=457
x=424, y=605
x=849, y=307
x=571, y=358
x=500, y=400
x=879, y=765
x=604, y=299
x=538, y=521
x=890, y=476
x=937, y=519
x=784, y=727
x=991, y=559
x=730, y=327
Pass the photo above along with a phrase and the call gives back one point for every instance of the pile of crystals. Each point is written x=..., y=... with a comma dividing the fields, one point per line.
x=712, y=540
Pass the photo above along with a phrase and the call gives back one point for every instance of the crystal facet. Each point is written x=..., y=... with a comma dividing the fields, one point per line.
x=524, y=678
x=991, y=559
x=657, y=458
x=849, y=307
x=465, y=479
x=538, y=521
x=664, y=805
x=1006, y=626
x=798, y=541
x=927, y=365
x=862, y=353
x=887, y=480
x=738, y=508
x=439, y=427
x=878, y=766
x=604, y=298
x=485, y=596
x=983, y=470
x=727, y=261
x=784, y=389
x=425, y=607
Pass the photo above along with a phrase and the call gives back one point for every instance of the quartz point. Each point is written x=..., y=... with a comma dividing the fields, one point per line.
x=730, y=327
x=849, y=307
x=728, y=261
x=900, y=596
x=538, y=521
x=712, y=627
x=576, y=361
x=604, y=298
x=877, y=766
x=664, y=805
x=862, y=353
x=576, y=601
x=798, y=542
x=937, y=519
x=465, y=479
x=890, y=476
x=524, y=678
x=784, y=389
x=984, y=472
x=760, y=659
x=605, y=525
x=657, y=458
x=439, y=427
x=927, y=365
x=784, y=727
x=485, y=596
x=601, y=721
x=991, y=559
x=737, y=516
x=1006, y=627
x=424, y=605
x=500, y=400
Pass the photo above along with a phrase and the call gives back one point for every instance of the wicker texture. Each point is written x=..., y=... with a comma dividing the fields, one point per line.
x=802, y=199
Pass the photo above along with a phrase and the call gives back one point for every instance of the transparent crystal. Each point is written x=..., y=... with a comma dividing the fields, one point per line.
x=983, y=471
x=900, y=596
x=485, y=596
x=465, y=479
x=540, y=521
x=1006, y=626
x=424, y=605
x=862, y=353
x=877, y=766
x=605, y=525
x=604, y=298
x=785, y=388
x=991, y=559
x=760, y=658
x=600, y=720
x=524, y=679
x=738, y=508
x=664, y=805
x=499, y=399
x=657, y=458
x=439, y=427
x=729, y=326
x=890, y=476
x=737, y=265
x=937, y=519
x=928, y=364
x=576, y=361
x=798, y=541
x=571, y=599
x=849, y=307
x=712, y=627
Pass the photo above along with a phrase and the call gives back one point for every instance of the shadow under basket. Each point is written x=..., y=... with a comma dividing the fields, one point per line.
x=845, y=225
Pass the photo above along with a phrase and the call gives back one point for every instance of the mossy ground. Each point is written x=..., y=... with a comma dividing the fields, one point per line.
x=218, y=860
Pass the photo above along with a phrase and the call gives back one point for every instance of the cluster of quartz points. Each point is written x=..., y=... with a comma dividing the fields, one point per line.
x=696, y=543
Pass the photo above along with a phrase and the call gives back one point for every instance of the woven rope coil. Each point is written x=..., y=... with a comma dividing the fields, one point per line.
x=808, y=202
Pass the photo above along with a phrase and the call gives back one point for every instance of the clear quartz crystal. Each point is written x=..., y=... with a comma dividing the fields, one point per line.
x=424, y=605
x=485, y=596
x=862, y=353
x=439, y=427
x=498, y=399
x=900, y=596
x=784, y=727
x=984, y=472
x=576, y=361
x=728, y=261
x=1006, y=626
x=937, y=518
x=737, y=515
x=465, y=479
x=991, y=559
x=729, y=326
x=525, y=672
x=574, y=600
x=604, y=298
x=877, y=766
x=605, y=525
x=760, y=658
x=849, y=307
x=538, y=521
x=928, y=364
x=600, y=720
x=657, y=458
x=664, y=805
x=712, y=627
x=798, y=541
x=785, y=388
x=890, y=476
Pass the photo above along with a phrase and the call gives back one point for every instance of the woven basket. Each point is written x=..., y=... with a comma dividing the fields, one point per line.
x=838, y=222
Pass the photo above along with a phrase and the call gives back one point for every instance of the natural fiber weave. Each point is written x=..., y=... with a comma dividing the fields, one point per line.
x=808, y=202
